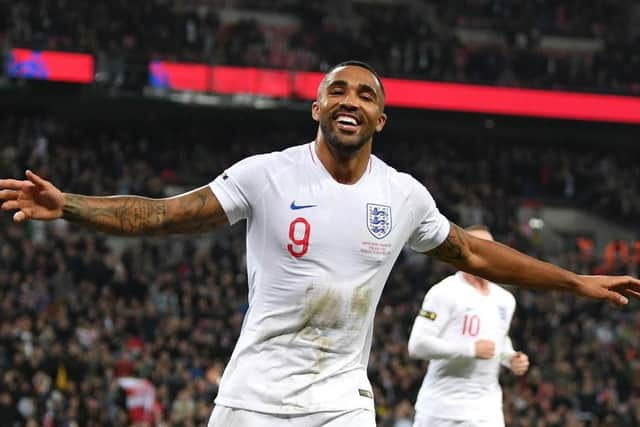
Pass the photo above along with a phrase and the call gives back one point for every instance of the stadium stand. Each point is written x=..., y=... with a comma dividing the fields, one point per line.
x=81, y=312
x=536, y=44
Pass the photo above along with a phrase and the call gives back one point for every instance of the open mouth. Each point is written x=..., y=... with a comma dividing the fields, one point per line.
x=347, y=122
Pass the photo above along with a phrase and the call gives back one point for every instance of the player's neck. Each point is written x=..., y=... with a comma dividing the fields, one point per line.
x=344, y=168
x=478, y=283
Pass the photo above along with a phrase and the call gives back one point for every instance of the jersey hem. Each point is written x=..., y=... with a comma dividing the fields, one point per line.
x=279, y=409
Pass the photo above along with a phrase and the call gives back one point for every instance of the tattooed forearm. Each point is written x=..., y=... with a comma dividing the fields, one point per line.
x=122, y=215
x=499, y=263
x=454, y=248
x=192, y=215
x=193, y=212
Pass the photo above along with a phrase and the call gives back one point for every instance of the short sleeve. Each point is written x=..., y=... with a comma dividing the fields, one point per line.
x=431, y=228
x=238, y=187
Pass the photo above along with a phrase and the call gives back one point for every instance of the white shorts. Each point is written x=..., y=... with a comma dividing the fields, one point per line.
x=223, y=416
x=429, y=421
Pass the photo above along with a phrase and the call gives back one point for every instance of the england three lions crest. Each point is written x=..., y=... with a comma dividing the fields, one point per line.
x=378, y=220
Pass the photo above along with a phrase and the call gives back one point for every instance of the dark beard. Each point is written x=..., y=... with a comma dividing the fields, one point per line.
x=339, y=147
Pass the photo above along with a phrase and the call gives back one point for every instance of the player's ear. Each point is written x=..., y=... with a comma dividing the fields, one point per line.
x=315, y=111
x=382, y=120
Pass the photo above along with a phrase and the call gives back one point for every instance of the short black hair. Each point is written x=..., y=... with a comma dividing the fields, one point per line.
x=361, y=64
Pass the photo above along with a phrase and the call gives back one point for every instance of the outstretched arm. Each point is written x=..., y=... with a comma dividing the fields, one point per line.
x=35, y=198
x=502, y=264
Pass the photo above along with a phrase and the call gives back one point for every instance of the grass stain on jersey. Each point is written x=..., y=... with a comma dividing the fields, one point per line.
x=322, y=313
x=328, y=310
x=360, y=304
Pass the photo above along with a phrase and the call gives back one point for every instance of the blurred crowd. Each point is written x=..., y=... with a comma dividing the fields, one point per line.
x=479, y=41
x=80, y=310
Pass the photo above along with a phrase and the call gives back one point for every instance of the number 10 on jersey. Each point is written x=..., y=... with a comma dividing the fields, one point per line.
x=299, y=232
x=471, y=325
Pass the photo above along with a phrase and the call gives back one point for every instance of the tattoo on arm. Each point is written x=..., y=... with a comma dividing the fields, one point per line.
x=455, y=248
x=116, y=215
x=197, y=211
x=193, y=214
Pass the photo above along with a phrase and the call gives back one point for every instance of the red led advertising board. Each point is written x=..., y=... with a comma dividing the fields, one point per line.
x=403, y=93
x=51, y=65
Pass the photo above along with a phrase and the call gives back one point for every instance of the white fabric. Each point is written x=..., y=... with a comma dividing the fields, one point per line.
x=457, y=385
x=429, y=421
x=306, y=337
x=507, y=352
x=223, y=416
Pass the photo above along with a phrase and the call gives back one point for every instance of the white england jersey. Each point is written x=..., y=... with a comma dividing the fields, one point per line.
x=459, y=386
x=318, y=255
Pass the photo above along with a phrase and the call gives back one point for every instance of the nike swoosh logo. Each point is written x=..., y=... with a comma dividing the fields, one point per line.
x=295, y=207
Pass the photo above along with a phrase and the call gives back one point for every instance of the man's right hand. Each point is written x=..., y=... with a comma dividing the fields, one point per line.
x=485, y=349
x=33, y=198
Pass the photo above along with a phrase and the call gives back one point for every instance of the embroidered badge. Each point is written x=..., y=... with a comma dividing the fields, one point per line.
x=502, y=312
x=378, y=220
x=365, y=393
x=428, y=314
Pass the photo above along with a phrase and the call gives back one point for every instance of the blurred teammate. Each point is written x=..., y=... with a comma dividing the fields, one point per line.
x=463, y=329
x=326, y=221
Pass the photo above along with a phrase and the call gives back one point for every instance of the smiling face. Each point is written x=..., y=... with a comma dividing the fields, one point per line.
x=349, y=108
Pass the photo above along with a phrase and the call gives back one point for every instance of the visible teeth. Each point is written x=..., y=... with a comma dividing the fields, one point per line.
x=347, y=119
